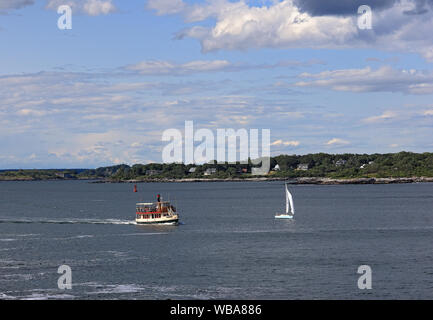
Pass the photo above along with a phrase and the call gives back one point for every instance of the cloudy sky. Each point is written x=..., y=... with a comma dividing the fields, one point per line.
x=103, y=92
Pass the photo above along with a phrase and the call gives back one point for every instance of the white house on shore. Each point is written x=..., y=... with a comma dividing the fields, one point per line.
x=340, y=162
x=192, y=170
x=210, y=171
x=303, y=166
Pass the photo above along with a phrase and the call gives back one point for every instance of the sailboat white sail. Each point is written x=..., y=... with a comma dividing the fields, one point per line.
x=290, y=208
x=289, y=202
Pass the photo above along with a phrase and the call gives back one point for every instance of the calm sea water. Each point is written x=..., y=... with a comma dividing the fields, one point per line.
x=229, y=246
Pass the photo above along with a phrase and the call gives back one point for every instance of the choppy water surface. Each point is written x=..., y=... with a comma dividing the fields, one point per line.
x=229, y=246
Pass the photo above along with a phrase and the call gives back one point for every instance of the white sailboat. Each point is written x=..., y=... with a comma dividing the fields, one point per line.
x=290, y=209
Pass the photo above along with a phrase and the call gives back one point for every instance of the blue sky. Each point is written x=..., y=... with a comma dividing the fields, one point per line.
x=103, y=92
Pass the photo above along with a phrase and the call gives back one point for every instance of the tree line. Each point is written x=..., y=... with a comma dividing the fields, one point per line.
x=394, y=165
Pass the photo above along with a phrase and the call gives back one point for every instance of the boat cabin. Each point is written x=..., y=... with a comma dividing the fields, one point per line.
x=154, y=210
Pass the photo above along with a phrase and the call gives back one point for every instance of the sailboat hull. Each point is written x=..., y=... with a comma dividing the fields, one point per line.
x=284, y=216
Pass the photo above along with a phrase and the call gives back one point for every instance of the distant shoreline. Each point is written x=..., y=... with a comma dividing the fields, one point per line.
x=318, y=168
x=302, y=180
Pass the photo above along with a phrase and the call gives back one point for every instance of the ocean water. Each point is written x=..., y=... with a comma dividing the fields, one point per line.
x=229, y=246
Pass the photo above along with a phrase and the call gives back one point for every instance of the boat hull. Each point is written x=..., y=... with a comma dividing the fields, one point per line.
x=172, y=220
x=284, y=216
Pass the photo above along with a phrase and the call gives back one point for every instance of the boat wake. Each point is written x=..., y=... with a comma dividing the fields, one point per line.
x=69, y=221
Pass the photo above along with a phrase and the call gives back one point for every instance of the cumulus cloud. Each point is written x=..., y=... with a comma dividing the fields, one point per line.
x=384, y=79
x=89, y=7
x=239, y=25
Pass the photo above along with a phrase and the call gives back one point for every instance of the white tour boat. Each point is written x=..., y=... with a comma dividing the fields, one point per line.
x=160, y=212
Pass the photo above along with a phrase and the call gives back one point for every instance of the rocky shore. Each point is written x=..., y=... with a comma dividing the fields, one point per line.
x=304, y=180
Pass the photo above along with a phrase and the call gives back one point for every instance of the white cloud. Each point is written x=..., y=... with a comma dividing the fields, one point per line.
x=98, y=7
x=165, y=67
x=30, y=112
x=161, y=67
x=86, y=119
x=75, y=119
x=384, y=79
x=387, y=115
x=107, y=147
x=89, y=7
x=337, y=141
x=285, y=143
x=238, y=25
x=136, y=145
